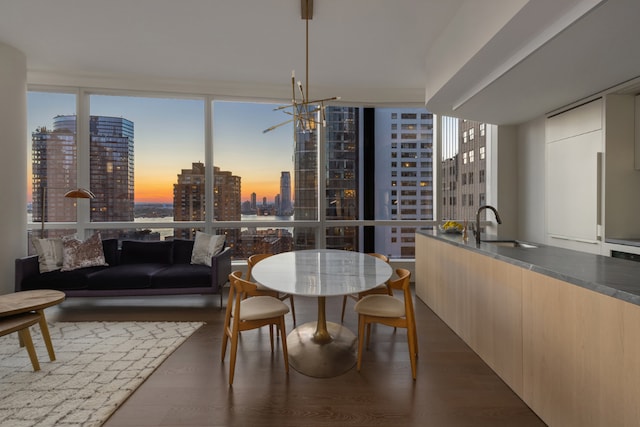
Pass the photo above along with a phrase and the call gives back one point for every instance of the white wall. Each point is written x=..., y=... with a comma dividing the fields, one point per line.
x=13, y=174
x=531, y=180
x=506, y=181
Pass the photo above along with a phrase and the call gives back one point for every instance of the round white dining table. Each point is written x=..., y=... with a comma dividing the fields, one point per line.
x=321, y=349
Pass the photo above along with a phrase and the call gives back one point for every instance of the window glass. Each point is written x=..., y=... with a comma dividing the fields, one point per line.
x=52, y=166
x=142, y=150
x=269, y=185
x=414, y=200
x=148, y=166
x=453, y=140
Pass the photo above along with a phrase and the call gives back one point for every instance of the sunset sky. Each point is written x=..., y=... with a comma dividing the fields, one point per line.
x=169, y=137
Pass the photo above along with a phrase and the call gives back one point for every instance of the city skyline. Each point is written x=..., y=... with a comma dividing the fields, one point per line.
x=402, y=176
x=239, y=144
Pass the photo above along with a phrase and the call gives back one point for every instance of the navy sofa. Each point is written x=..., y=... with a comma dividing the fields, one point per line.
x=137, y=268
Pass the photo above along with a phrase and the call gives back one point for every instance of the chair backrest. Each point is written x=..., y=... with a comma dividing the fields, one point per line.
x=253, y=260
x=379, y=256
x=403, y=282
x=240, y=288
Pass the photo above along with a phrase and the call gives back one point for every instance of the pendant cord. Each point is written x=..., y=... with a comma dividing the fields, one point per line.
x=307, y=58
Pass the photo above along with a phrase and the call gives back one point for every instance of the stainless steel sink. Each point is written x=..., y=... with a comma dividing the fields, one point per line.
x=511, y=243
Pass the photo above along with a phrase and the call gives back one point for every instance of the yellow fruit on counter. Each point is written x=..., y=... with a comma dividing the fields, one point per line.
x=452, y=224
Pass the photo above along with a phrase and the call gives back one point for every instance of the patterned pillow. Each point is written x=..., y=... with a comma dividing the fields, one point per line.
x=77, y=254
x=206, y=246
x=49, y=254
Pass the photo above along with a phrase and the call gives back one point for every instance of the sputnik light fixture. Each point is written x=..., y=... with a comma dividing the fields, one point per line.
x=304, y=111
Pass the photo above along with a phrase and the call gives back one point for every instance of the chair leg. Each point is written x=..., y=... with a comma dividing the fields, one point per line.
x=271, y=336
x=415, y=339
x=413, y=350
x=234, y=352
x=344, y=305
x=293, y=309
x=360, y=341
x=285, y=352
x=225, y=338
x=368, y=334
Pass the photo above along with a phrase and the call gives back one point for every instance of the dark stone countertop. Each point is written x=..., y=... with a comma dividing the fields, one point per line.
x=618, y=278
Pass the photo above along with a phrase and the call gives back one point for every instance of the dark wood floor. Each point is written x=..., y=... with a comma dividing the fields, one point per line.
x=454, y=387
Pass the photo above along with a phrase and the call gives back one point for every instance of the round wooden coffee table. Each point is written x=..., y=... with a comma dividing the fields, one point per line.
x=32, y=301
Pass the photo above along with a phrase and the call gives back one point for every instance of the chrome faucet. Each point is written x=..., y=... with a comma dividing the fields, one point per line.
x=477, y=228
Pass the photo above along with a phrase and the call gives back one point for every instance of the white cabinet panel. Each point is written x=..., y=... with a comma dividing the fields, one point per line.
x=637, y=132
x=572, y=186
x=583, y=119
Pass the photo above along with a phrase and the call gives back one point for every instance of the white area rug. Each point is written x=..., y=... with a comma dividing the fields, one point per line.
x=98, y=365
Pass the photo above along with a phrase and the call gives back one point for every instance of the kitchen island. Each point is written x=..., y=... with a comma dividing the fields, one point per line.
x=560, y=327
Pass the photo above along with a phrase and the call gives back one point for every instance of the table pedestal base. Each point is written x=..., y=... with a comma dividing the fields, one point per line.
x=321, y=357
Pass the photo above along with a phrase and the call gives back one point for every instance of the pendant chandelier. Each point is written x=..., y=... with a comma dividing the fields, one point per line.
x=306, y=114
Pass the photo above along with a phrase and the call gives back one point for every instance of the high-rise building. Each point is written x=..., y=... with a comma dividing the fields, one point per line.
x=342, y=142
x=189, y=195
x=226, y=196
x=463, y=168
x=285, y=205
x=404, y=174
x=188, y=198
x=306, y=186
x=226, y=202
x=54, y=156
x=403, y=170
x=341, y=139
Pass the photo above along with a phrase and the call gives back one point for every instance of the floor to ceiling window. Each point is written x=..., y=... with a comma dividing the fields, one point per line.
x=463, y=168
x=364, y=181
x=52, y=147
x=404, y=176
x=146, y=157
x=262, y=163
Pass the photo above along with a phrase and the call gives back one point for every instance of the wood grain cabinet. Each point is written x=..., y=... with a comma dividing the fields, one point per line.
x=571, y=354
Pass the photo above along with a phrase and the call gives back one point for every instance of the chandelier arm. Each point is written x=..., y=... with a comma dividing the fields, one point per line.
x=303, y=112
x=276, y=126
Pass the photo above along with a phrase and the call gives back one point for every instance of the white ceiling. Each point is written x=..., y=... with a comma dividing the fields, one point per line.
x=366, y=44
x=366, y=51
x=551, y=54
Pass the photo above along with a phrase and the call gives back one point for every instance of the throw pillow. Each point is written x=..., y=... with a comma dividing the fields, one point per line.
x=49, y=254
x=78, y=254
x=206, y=246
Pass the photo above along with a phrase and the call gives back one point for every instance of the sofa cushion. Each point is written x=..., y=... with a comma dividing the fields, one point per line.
x=182, y=251
x=110, y=249
x=81, y=254
x=205, y=247
x=129, y=276
x=182, y=276
x=49, y=253
x=60, y=280
x=136, y=252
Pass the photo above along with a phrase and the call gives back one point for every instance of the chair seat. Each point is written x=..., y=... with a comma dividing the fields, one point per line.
x=262, y=307
x=380, y=305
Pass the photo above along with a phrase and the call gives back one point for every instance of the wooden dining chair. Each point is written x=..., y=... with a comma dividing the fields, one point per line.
x=251, y=262
x=248, y=309
x=391, y=311
x=380, y=289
